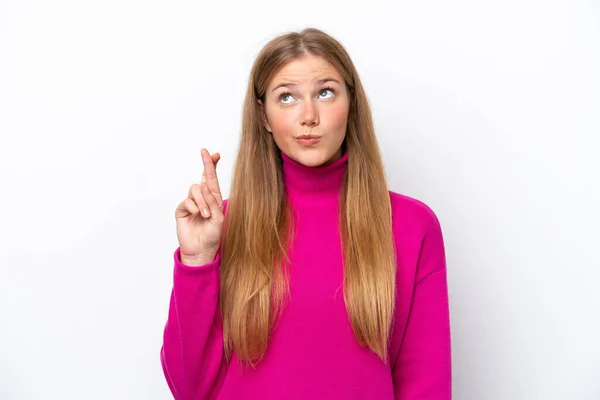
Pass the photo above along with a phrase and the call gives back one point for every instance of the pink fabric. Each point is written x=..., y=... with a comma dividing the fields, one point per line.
x=313, y=353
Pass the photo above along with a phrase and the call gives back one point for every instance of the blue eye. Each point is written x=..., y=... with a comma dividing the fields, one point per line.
x=282, y=95
x=327, y=89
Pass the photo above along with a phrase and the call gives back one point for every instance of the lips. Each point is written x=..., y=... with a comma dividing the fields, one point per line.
x=308, y=137
x=308, y=140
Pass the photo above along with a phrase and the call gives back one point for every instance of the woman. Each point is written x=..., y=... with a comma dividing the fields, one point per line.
x=313, y=280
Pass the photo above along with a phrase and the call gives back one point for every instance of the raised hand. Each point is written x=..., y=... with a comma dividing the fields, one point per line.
x=200, y=216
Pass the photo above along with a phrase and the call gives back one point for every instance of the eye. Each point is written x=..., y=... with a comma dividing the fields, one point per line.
x=284, y=95
x=327, y=89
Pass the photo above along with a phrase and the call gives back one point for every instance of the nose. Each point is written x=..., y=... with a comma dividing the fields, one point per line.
x=310, y=114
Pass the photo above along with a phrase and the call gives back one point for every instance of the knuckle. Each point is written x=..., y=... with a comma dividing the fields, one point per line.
x=193, y=191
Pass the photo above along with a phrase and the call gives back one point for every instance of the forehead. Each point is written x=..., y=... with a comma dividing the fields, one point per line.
x=305, y=70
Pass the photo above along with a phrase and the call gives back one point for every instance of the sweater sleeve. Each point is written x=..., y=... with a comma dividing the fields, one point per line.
x=423, y=370
x=192, y=351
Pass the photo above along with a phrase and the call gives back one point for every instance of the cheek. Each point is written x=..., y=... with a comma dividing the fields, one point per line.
x=282, y=121
x=338, y=116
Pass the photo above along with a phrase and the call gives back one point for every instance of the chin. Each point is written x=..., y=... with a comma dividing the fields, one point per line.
x=313, y=159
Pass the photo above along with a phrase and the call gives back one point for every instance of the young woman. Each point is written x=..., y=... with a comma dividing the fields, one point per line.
x=313, y=280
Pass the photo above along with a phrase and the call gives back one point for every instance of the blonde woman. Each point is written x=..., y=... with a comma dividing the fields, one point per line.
x=313, y=280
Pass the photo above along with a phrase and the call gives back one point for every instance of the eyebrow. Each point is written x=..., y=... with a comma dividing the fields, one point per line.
x=319, y=81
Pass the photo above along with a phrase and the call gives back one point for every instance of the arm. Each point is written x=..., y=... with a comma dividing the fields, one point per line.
x=423, y=369
x=192, y=350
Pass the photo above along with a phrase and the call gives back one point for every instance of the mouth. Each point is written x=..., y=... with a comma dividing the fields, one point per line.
x=308, y=137
x=308, y=140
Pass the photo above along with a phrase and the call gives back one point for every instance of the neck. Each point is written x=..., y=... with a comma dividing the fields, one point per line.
x=314, y=185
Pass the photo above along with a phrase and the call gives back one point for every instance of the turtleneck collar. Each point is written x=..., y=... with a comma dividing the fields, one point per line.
x=310, y=185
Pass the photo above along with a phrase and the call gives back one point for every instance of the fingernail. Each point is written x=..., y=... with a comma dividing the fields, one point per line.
x=205, y=212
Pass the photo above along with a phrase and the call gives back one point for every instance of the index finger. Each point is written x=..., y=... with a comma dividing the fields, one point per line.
x=215, y=158
x=210, y=173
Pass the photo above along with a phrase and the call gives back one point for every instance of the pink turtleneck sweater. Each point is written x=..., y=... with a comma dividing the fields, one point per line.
x=313, y=353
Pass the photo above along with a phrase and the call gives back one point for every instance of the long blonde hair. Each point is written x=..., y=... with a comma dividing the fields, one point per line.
x=258, y=224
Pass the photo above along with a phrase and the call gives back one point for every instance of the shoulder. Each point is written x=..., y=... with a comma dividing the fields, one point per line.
x=412, y=215
x=417, y=237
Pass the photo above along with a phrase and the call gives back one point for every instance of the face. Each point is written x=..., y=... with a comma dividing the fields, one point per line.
x=307, y=96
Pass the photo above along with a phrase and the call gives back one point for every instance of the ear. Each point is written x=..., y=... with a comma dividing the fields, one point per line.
x=263, y=115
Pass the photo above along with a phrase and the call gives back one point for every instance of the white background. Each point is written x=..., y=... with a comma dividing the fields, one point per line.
x=488, y=111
